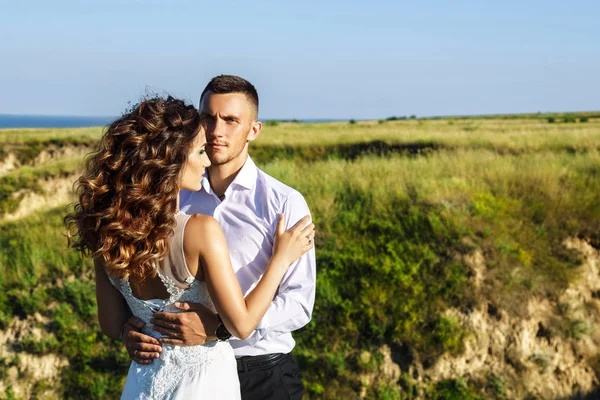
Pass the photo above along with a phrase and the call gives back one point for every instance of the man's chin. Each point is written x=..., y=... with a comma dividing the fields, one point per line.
x=215, y=157
x=217, y=161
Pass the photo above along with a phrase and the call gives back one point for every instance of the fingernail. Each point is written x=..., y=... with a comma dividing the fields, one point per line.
x=177, y=304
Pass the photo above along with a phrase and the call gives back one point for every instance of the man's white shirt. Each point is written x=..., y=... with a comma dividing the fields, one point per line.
x=248, y=216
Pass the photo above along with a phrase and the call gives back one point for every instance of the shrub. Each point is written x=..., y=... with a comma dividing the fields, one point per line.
x=578, y=328
x=395, y=118
x=352, y=121
x=542, y=361
x=43, y=346
x=9, y=394
x=454, y=389
x=551, y=120
x=583, y=119
x=495, y=384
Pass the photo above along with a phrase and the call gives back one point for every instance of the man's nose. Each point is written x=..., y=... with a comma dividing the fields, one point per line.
x=214, y=130
x=218, y=127
x=209, y=126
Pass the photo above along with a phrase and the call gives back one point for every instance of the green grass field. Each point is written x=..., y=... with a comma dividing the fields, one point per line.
x=397, y=204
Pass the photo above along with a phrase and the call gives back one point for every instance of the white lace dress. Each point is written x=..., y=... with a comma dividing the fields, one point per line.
x=181, y=372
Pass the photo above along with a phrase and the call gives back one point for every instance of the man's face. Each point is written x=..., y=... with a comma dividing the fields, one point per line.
x=230, y=125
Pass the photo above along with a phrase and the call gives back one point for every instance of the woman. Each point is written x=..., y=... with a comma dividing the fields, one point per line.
x=148, y=255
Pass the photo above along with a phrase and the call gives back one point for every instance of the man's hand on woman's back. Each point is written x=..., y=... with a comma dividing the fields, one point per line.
x=196, y=325
x=141, y=347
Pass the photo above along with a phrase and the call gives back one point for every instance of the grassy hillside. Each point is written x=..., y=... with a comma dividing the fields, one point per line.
x=400, y=207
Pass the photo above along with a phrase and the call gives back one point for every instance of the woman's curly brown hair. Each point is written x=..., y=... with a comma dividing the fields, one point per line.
x=128, y=192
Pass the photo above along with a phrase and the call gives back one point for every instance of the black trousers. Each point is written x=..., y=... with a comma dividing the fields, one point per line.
x=275, y=382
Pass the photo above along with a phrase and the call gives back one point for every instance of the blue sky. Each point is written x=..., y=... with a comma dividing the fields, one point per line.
x=309, y=59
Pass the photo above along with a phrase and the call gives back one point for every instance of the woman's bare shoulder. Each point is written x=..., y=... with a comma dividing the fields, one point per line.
x=202, y=231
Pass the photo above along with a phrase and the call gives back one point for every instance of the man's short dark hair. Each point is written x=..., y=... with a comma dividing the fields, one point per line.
x=224, y=84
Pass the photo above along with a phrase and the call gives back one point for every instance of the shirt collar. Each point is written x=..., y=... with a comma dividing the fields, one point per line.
x=247, y=175
x=206, y=183
x=246, y=178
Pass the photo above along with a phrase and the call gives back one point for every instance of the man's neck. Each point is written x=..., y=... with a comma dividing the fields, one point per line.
x=221, y=176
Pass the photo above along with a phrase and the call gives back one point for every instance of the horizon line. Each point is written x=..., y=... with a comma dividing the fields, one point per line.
x=284, y=119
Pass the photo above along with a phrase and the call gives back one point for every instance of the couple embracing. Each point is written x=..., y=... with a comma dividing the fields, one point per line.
x=204, y=264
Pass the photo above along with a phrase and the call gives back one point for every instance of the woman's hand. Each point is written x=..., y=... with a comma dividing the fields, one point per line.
x=293, y=243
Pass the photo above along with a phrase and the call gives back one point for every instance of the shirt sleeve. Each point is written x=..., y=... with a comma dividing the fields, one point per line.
x=292, y=307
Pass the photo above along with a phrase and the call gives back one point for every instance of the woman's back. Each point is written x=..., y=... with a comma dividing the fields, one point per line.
x=173, y=282
x=180, y=371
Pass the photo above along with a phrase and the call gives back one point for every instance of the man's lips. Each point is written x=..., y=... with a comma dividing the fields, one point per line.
x=216, y=144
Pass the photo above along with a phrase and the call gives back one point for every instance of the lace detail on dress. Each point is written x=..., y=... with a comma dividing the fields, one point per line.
x=174, y=292
x=160, y=379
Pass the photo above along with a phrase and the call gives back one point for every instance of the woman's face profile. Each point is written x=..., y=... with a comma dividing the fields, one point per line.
x=197, y=162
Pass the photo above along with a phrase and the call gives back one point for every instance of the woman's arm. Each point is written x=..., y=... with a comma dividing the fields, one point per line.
x=241, y=315
x=113, y=311
x=113, y=314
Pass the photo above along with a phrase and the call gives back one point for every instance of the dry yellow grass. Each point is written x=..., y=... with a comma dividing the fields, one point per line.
x=526, y=134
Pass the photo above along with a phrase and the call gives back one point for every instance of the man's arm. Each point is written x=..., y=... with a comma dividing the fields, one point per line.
x=292, y=307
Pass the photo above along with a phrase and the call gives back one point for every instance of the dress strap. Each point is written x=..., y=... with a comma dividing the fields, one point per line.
x=173, y=270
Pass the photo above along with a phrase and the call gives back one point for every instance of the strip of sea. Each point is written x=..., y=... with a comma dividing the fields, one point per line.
x=65, y=121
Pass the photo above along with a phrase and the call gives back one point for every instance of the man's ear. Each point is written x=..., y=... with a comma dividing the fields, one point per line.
x=254, y=131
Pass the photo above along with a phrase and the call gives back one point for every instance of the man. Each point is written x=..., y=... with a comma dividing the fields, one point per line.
x=246, y=202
